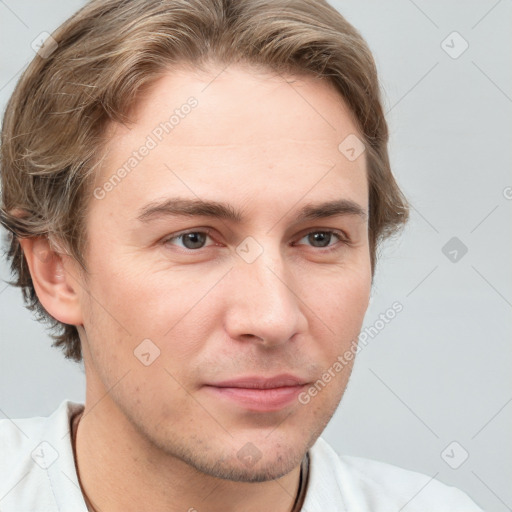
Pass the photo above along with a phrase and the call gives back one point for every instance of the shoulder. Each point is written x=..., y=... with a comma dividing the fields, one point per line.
x=363, y=484
x=17, y=439
x=34, y=450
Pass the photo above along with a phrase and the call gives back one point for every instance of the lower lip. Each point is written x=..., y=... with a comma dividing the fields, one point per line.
x=262, y=400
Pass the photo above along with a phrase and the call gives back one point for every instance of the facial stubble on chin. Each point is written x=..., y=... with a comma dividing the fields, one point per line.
x=206, y=459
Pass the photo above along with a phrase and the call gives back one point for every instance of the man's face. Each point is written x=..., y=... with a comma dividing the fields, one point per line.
x=263, y=295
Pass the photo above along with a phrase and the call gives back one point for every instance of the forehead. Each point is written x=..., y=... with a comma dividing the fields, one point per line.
x=205, y=133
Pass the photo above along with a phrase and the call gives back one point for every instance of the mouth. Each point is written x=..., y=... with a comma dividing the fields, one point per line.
x=257, y=393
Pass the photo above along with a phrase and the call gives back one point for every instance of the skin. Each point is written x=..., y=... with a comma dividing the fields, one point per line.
x=267, y=145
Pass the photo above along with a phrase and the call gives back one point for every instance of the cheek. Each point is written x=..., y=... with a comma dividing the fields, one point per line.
x=174, y=309
x=337, y=312
x=339, y=298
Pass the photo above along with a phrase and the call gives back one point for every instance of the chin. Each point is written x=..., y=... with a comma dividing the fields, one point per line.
x=245, y=464
x=241, y=471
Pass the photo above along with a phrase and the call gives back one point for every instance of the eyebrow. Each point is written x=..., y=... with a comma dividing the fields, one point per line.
x=176, y=206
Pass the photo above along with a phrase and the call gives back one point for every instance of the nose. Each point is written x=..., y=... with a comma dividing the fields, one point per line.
x=264, y=304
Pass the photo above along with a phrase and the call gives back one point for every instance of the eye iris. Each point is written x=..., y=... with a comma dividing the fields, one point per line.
x=194, y=240
x=320, y=238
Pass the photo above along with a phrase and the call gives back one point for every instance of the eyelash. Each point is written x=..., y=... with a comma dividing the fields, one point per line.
x=342, y=237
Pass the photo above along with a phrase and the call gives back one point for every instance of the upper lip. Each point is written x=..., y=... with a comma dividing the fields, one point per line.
x=257, y=382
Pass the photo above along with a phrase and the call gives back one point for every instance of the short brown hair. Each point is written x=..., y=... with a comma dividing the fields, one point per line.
x=106, y=54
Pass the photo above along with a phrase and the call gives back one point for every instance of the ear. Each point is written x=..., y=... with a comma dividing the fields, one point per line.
x=55, y=280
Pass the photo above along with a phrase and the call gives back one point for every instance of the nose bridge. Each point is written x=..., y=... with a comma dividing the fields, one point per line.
x=263, y=303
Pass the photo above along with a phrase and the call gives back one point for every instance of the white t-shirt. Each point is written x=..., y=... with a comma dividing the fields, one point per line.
x=37, y=473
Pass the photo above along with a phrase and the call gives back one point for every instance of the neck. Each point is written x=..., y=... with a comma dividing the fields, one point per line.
x=120, y=470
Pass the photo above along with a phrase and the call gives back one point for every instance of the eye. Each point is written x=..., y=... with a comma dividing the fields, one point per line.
x=190, y=240
x=195, y=240
x=321, y=239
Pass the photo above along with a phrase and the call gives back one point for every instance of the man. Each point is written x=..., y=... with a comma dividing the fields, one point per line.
x=196, y=190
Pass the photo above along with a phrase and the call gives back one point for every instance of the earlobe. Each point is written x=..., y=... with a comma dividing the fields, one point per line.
x=55, y=283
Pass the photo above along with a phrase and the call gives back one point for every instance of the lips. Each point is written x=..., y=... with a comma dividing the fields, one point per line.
x=262, y=394
x=255, y=382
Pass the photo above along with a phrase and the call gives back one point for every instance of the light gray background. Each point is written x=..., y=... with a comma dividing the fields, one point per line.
x=440, y=371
